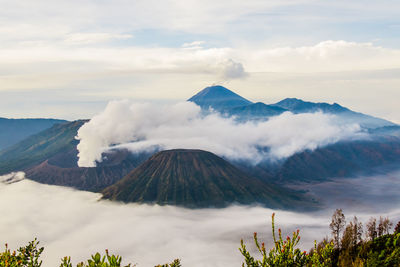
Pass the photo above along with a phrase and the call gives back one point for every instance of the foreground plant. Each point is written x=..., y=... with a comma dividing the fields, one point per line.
x=97, y=261
x=321, y=255
x=175, y=263
x=24, y=257
x=109, y=261
x=29, y=255
x=283, y=253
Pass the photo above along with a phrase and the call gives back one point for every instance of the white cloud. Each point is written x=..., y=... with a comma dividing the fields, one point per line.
x=74, y=223
x=96, y=62
x=145, y=126
x=12, y=177
x=194, y=45
x=326, y=56
x=319, y=72
x=92, y=38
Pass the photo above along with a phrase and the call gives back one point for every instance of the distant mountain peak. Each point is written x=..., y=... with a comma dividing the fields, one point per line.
x=214, y=89
x=218, y=98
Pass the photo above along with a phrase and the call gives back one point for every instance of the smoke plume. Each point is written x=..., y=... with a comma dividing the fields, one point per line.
x=231, y=69
x=143, y=127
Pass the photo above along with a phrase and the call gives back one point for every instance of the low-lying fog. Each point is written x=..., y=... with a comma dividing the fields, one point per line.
x=378, y=193
x=75, y=223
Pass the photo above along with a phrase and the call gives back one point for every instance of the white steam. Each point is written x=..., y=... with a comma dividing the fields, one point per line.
x=141, y=127
x=231, y=69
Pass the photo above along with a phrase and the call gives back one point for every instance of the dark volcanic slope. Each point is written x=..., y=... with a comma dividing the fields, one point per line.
x=343, y=159
x=196, y=178
x=340, y=160
x=118, y=164
x=50, y=157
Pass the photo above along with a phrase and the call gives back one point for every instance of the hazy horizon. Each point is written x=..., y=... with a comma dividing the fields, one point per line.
x=100, y=106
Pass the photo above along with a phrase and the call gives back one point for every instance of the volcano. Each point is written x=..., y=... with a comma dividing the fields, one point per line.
x=218, y=98
x=196, y=178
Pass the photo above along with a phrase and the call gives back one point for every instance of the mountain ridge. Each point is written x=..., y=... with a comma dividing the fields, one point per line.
x=39, y=147
x=14, y=130
x=296, y=105
x=228, y=103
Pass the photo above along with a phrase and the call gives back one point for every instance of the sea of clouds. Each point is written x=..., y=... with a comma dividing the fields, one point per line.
x=76, y=223
x=148, y=126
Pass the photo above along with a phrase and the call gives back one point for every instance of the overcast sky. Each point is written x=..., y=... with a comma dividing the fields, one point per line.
x=68, y=58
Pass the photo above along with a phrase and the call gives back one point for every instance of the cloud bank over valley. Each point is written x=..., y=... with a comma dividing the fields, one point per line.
x=75, y=223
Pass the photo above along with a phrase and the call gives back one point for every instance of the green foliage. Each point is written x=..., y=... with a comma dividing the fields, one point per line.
x=29, y=255
x=322, y=255
x=175, y=263
x=97, y=261
x=353, y=251
x=24, y=257
x=382, y=251
x=109, y=261
x=283, y=253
